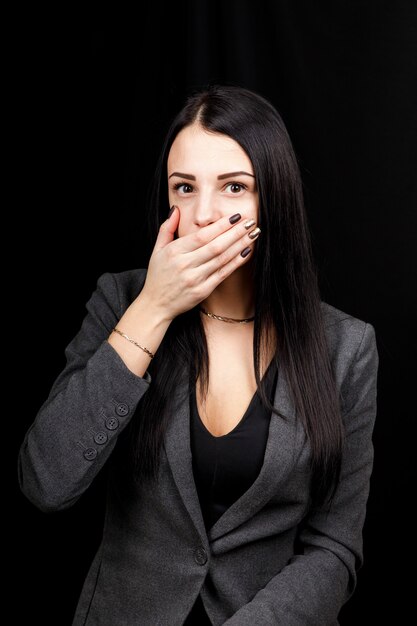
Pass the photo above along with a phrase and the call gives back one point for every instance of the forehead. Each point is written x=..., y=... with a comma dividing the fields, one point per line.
x=195, y=148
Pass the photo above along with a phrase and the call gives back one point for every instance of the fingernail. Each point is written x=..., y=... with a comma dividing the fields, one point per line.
x=171, y=211
x=249, y=224
x=235, y=218
x=254, y=233
x=245, y=252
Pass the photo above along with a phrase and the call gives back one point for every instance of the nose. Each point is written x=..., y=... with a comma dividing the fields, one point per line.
x=206, y=210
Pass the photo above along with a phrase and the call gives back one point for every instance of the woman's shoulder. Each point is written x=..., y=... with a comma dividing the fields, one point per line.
x=336, y=320
x=130, y=282
x=347, y=335
x=122, y=287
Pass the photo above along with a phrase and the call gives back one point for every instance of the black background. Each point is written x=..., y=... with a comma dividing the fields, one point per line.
x=91, y=101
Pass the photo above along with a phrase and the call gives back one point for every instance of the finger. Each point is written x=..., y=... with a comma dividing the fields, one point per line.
x=167, y=229
x=204, y=235
x=222, y=272
x=232, y=254
x=218, y=249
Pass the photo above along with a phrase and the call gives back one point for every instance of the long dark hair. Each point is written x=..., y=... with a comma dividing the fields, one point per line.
x=287, y=296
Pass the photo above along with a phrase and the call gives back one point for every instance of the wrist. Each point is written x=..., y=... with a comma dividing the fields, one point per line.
x=140, y=331
x=144, y=303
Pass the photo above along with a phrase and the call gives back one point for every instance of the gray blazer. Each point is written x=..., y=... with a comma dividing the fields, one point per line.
x=268, y=559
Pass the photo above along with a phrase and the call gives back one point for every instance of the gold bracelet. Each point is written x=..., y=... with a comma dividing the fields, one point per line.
x=116, y=330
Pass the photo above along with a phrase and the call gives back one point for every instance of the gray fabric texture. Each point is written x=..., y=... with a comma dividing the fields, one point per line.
x=155, y=556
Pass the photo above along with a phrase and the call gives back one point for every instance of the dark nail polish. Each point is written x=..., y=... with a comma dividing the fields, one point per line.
x=171, y=211
x=245, y=252
x=235, y=218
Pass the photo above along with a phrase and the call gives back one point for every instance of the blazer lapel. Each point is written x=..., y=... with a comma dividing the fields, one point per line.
x=178, y=451
x=284, y=444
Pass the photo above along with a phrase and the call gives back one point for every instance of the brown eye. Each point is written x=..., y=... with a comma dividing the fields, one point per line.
x=235, y=187
x=184, y=188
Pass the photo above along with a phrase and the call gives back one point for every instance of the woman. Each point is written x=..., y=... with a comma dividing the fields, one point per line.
x=233, y=407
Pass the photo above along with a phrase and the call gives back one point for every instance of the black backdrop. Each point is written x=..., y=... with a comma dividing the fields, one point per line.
x=92, y=105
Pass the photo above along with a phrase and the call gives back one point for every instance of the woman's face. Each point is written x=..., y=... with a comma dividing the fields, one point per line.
x=209, y=176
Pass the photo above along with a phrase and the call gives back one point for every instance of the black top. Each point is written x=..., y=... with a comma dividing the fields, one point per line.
x=225, y=467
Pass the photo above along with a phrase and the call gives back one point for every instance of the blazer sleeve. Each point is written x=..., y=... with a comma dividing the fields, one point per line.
x=311, y=589
x=89, y=405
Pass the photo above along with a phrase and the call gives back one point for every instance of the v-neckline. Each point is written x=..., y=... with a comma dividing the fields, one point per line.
x=244, y=416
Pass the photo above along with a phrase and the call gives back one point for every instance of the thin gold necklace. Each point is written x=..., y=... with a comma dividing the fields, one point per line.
x=231, y=320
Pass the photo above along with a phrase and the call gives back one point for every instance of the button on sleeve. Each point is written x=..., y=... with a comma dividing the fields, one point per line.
x=122, y=409
x=112, y=423
x=90, y=454
x=101, y=438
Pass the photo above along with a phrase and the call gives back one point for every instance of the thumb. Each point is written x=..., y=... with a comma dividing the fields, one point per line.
x=168, y=228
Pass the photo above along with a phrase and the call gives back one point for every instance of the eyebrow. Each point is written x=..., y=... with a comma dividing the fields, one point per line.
x=220, y=177
x=180, y=175
x=231, y=174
